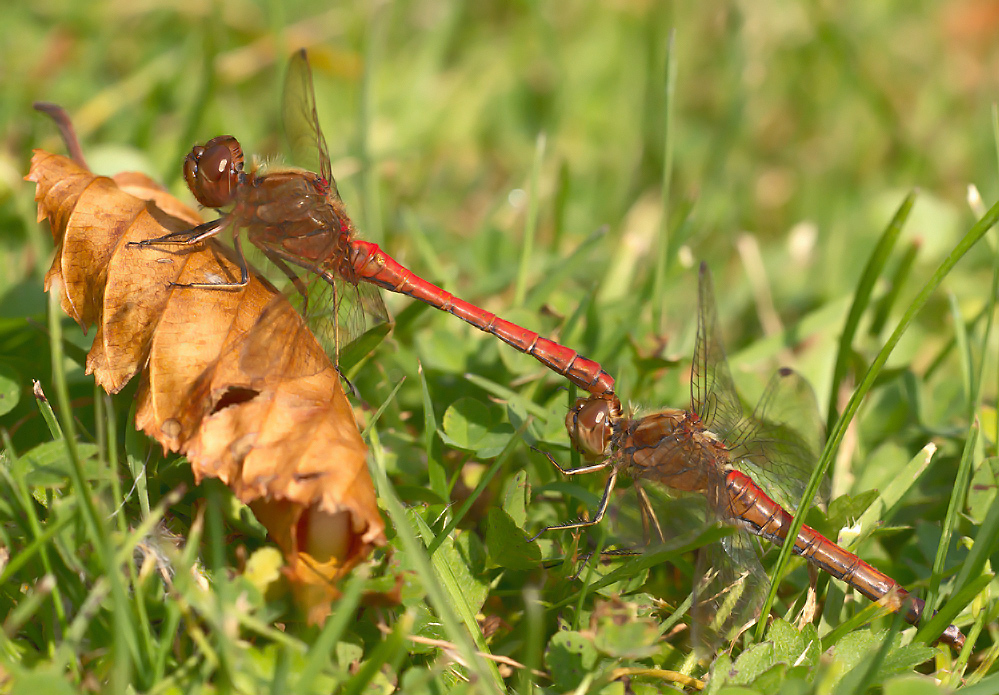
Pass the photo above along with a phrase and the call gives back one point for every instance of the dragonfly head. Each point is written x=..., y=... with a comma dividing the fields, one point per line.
x=591, y=424
x=213, y=171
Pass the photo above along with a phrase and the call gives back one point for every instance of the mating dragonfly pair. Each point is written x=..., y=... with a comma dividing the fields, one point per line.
x=714, y=449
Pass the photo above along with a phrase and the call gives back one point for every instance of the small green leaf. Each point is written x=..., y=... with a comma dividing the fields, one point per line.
x=459, y=567
x=47, y=465
x=785, y=638
x=442, y=351
x=858, y=650
x=427, y=625
x=48, y=680
x=633, y=638
x=570, y=657
x=349, y=654
x=854, y=646
x=911, y=684
x=516, y=496
x=792, y=646
x=466, y=422
x=769, y=681
x=721, y=673
x=507, y=545
x=752, y=663
x=904, y=659
x=472, y=425
x=10, y=389
x=845, y=509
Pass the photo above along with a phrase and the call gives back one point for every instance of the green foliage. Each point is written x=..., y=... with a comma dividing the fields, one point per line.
x=515, y=154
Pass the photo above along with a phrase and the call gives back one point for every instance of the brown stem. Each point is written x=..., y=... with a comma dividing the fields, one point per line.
x=59, y=115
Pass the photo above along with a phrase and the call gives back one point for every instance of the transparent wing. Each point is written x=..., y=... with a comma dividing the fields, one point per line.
x=647, y=515
x=712, y=391
x=729, y=582
x=298, y=231
x=728, y=593
x=778, y=445
x=301, y=121
x=369, y=298
x=272, y=345
x=330, y=309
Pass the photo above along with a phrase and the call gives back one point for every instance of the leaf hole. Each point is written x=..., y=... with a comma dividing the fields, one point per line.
x=234, y=395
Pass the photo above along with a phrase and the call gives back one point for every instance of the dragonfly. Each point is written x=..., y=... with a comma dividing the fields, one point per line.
x=718, y=451
x=298, y=220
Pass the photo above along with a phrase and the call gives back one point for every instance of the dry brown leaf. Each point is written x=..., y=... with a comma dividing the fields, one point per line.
x=283, y=439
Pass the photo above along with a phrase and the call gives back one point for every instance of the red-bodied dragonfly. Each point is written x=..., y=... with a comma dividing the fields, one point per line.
x=718, y=450
x=296, y=218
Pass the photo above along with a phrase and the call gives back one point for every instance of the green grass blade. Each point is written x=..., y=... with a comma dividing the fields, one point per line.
x=435, y=468
x=323, y=646
x=957, y=496
x=391, y=649
x=557, y=275
x=664, y=252
x=530, y=223
x=839, y=431
x=444, y=599
x=861, y=298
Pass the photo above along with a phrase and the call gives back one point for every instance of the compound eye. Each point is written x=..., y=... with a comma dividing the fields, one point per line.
x=590, y=426
x=212, y=172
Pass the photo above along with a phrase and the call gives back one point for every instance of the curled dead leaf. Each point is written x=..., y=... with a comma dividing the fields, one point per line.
x=284, y=439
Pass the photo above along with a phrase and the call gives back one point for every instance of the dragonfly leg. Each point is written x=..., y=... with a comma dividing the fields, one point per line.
x=244, y=273
x=649, y=517
x=290, y=274
x=583, y=523
x=604, y=554
x=576, y=471
x=284, y=261
x=187, y=237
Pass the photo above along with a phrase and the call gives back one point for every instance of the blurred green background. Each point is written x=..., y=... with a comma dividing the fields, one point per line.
x=795, y=131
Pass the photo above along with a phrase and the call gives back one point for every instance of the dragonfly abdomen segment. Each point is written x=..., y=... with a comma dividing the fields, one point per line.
x=374, y=265
x=751, y=506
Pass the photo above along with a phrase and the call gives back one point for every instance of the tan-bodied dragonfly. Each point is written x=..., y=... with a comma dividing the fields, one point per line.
x=296, y=218
x=719, y=451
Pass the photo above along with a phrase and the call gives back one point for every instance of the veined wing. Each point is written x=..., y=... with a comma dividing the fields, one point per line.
x=301, y=121
x=728, y=592
x=779, y=444
x=712, y=391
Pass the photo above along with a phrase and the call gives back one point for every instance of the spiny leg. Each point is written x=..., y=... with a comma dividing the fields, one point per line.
x=197, y=235
x=648, y=515
x=295, y=279
x=244, y=272
x=187, y=237
x=601, y=510
x=575, y=471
